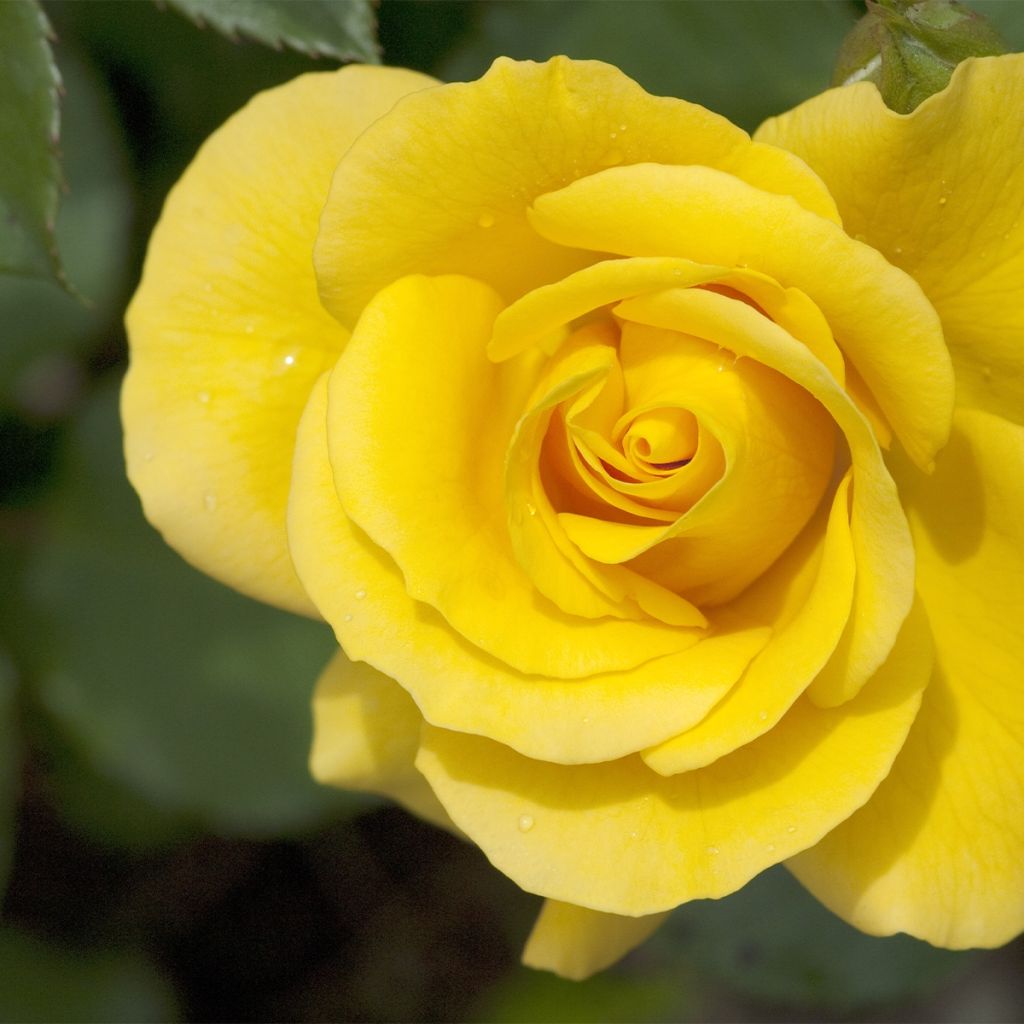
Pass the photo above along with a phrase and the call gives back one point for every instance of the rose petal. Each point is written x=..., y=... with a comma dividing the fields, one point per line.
x=227, y=331
x=939, y=192
x=575, y=942
x=803, y=640
x=881, y=538
x=408, y=199
x=419, y=466
x=365, y=736
x=939, y=850
x=618, y=838
x=361, y=593
x=883, y=323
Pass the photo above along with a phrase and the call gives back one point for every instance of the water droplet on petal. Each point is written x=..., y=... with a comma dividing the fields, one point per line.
x=763, y=715
x=209, y=501
x=791, y=829
x=525, y=822
x=622, y=127
x=249, y=328
x=203, y=396
x=943, y=200
x=148, y=456
x=771, y=847
x=360, y=594
x=713, y=850
x=289, y=360
x=486, y=219
x=531, y=509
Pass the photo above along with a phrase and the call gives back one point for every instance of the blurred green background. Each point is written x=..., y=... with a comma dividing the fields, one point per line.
x=163, y=854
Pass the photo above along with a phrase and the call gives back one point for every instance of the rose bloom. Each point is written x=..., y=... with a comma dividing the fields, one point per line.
x=664, y=488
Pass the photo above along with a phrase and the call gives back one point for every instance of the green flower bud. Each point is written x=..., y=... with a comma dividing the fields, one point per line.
x=909, y=49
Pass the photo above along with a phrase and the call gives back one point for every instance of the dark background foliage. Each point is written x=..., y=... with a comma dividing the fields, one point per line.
x=165, y=854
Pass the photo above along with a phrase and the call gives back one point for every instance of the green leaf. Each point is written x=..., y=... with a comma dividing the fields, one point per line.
x=174, y=687
x=745, y=59
x=774, y=942
x=47, y=335
x=344, y=29
x=40, y=981
x=29, y=127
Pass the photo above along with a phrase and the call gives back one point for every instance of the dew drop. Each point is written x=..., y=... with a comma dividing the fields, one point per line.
x=486, y=219
x=203, y=396
x=771, y=847
x=289, y=360
x=611, y=158
x=898, y=250
x=531, y=509
x=791, y=829
x=209, y=501
x=713, y=850
x=613, y=135
x=360, y=594
x=943, y=200
x=623, y=127
x=249, y=328
x=763, y=715
x=632, y=835
x=348, y=618
x=525, y=822
x=148, y=456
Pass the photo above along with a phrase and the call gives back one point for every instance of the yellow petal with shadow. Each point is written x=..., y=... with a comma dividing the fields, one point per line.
x=619, y=838
x=806, y=596
x=418, y=463
x=366, y=731
x=939, y=192
x=881, y=538
x=361, y=593
x=227, y=332
x=884, y=324
x=939, y=850
x=575, y=943
x=443, y=184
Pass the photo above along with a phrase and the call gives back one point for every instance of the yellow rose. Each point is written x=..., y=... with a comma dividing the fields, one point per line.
x=614, y=446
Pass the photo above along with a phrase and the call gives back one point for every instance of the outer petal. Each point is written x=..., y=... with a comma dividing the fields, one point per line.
x=366, y=733
x=418, y=464
x=227, y=333
x=576, y=943
x=362, y=594
x=940, y=192
x=619, y=838
x=711, y=217
x=939, y=850
x=422, y=207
